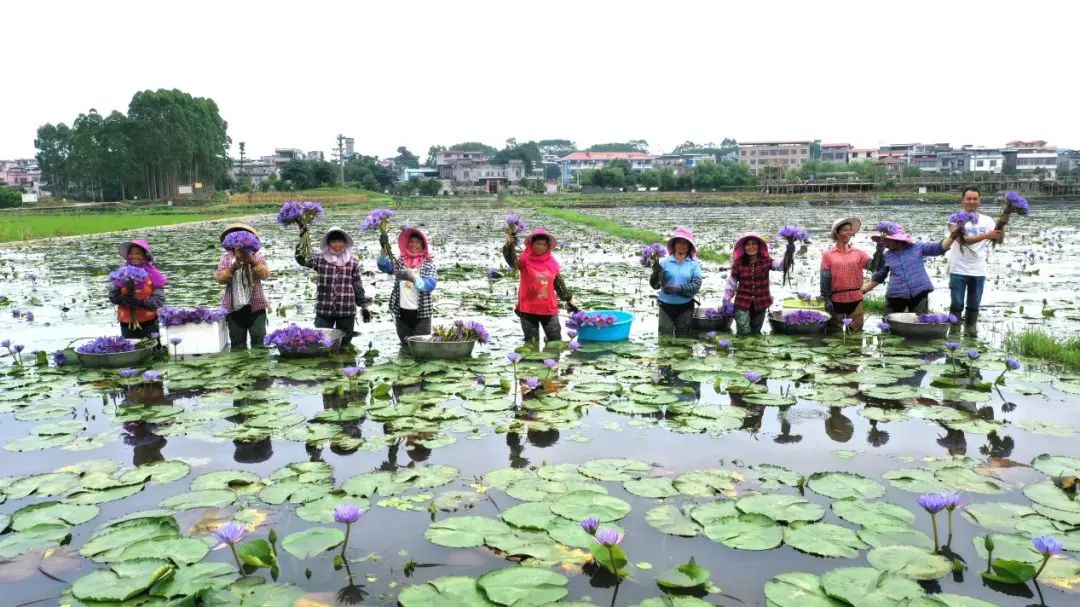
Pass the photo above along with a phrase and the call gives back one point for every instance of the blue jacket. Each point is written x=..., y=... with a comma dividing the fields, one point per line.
x=908, y=270
x=686, y=275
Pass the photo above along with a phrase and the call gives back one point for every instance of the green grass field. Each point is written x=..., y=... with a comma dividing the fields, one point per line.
x=27, y=227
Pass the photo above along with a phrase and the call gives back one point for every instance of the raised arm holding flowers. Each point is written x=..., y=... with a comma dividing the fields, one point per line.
x=967, y=257
x=1014, y=203
x=884, y=229
x=380, y=219
x=791, y=234
x=301, y=214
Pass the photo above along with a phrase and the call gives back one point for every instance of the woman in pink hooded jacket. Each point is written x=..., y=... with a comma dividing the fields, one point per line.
x=540, y=285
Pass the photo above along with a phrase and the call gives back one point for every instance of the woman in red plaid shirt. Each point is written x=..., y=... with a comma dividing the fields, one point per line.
x=242, y=274
x=340, y=287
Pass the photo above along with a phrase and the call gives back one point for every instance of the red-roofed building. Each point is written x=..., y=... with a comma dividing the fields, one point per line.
x=572, y=164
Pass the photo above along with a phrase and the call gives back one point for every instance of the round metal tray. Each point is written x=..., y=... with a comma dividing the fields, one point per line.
x=423, y=348
x=904, y=325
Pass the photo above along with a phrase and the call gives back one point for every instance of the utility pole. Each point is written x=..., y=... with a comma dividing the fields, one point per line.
x=242, y=147
x=341, y=155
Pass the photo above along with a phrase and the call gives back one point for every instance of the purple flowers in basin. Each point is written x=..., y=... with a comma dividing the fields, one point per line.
x=805, y=317
x=461, y=330
x=295, y=339
x=302, y=213
x=379, y=218
x=243, y=240
x=106, y=345
x=651, y=252
x=935, y=319
x=582, y=318
x=173, y=317
x=128, y=273
x=726, y=310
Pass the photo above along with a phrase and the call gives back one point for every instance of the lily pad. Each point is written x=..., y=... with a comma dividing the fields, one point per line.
x=909, y=561
x=209, y=498
x=895, y=537
x=39, y=536
x=746, y=532
x=668, y=519
x=651, y=487
x=996, y=516
x=840, y=485
x=873, y=514
x=312, y=542
x=823, y=539
x=463, y=531
x=1057, y=465
x=798, y=590
x=783, y=508
x=684, y=577
x=530, y=515
x=122, y=581
x=706, y=483
x=867, y=586
x=620, y=469
x=580, y=505
x=195, y=579
x=447, y=590
x=523, y=586
x=52, y=512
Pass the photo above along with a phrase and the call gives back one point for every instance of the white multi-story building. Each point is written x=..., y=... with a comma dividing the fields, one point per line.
x=573, y=164
x=682, y=163
x=984, y=160
x=1034, y=157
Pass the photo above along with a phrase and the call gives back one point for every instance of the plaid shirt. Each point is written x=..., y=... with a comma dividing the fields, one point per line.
x=427, y=276
x=258, y=297
x=339, y=289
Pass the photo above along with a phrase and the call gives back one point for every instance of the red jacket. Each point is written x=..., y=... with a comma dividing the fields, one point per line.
x=123, y=313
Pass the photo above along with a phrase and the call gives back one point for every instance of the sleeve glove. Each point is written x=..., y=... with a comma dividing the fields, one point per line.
x=129, y=300
x=671, y=289
x=365, y=315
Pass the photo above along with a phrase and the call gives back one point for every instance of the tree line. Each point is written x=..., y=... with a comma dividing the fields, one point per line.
x=167, y=139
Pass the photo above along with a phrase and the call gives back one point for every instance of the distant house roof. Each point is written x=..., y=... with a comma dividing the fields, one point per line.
x=749, y=143
x=835, y=145
x=606, y=156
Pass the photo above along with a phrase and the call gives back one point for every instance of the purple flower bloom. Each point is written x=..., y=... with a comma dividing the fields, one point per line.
x=793, y=233
x=933, y=319
x=888, y=227
x=480, y=379
x=128, y=273
x=805, y=317
x=461, y=330
x=1047, y=545
x=608, y=537
x=932, y=502
x=952, y=345
x=28, y=316
x=590, y=525
x=492, y=273
x=176, y=316
x=514, y=224
x=952, y=500
x=963, y=217
x=352, y=372
x=550, y=363
x=106, y=345
x=532, y=383
x=125, y=373
x=710, y=335
x=571, y=333
x=6, y=343
x=348, y=514
x=241, y=239
x=651, y=252
x=581, y=318
x=175, y=340
x=847, y=322
x=151, y=376
x=724, y=311
x=724, y=343
x=18, y=348
x=513, y=357
x=973, y=354
x=379, y=218
x=294, y=338
x=575, y=345
x=228, y=534
x=1017, y=203
x=752, y=377
x=1012, y=363
x=301, y=213
x=59, y=358
x=884, y=326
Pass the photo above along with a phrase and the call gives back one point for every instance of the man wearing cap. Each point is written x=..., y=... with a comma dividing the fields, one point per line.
x=242, y=274
x=905, y=267
x=967, y=264
x=842, y=276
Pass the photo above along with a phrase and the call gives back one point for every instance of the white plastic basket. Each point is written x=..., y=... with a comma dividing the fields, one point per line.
x=199, y=337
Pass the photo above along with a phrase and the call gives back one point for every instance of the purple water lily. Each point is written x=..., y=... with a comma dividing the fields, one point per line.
x=650, y=253
x=106, y=345
x=752, y=377
x=377, y=219
x=352, y=372
x=513, y=357
x=173, y=317
x=151, y=376
x=294, y=338
x=574, y=345
x=888, y=228
x=532, y=383
x=59, y=358
x=590, y=525
x=608, y=537
x=229, y=534
x=805, y=317
x=243, y=240
x=348, y=514
x=302, y=213
x=514, y=224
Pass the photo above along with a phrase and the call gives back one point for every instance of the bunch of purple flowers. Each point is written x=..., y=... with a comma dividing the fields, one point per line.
x=126, y=274
x=887, y=228
x=461, y=330
x=1014, y=203
x=958, y=220
x=294, y=338
x=651, y=253
x=805, y=317
x=106, y=345
x=379, y=218
x=793, y=233
x=725, y=310
x=514, y=224
x=173, y=317
x=935, y=319
x=581, y=318
x=300, y=213
x=241, y=239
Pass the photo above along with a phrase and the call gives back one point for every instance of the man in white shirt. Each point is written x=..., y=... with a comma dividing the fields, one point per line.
x=967, y=264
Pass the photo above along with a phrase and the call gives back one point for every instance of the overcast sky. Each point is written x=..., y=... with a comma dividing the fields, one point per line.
x=294, y=74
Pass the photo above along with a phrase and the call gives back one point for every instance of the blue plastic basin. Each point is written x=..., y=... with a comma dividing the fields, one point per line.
x=615, y=332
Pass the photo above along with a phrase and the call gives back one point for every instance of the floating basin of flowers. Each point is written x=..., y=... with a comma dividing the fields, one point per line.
x=201, y=330
x=601, y=325
x=114, y=353
x=302, y=342
x=448, y=342
x=907, y=324
x=713, y=319
x=801, y=322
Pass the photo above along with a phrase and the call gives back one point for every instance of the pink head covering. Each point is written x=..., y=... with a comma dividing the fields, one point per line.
x=686, y=235
x=412, y=260
x=156, y=277
x=899, y=236
x=540, y=261
x=763, y=247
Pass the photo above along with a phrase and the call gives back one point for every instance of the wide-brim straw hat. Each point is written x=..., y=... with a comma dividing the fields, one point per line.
x=856, y=224
x=235, y=227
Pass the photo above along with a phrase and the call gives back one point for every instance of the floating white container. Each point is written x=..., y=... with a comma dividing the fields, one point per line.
x=198, y=337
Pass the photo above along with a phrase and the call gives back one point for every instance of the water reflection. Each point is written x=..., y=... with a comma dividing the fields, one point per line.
x=838, y=426
x=146, y=445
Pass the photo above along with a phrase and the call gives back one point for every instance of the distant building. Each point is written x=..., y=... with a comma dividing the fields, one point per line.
x=681, y=163
x=422, y=172
x=836, y=152
x=1031, y=158
x=984, y=160
x=315, y=156
x=576, y=162
x=773, y=158
x=283, y=156
x=926, y=162
x=862, y=155
x=1068, y=160
x=350, y=146
x=22, y=174
x=470, y=169
x=257, y=170
x=953, y=161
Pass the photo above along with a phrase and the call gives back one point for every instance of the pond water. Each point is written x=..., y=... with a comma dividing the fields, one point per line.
x=816, y=469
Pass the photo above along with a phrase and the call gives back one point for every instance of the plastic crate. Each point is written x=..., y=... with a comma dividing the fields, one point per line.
x=199, y=337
